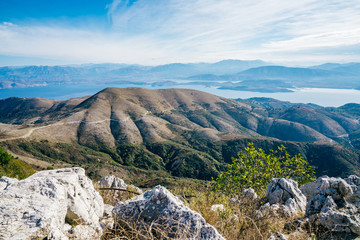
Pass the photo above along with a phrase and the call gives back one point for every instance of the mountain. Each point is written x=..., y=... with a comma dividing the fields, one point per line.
x=186, y=133
x=99, y=73
x=353, y=68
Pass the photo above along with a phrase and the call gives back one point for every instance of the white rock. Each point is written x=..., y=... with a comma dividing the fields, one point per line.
x=277, y=236
x=217, y=208
x=286, y=194
x=36, y=207
x=337, y=188
x=112, y=182
x=249, y=193
x=136, y=189
x=334, y=204
x=6, y=181
x=161, y=210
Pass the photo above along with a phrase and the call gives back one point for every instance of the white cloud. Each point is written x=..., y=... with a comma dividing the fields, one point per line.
x=160, y=31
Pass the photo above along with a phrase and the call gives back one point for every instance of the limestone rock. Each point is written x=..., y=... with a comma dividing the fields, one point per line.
x=163, y=212
x=337, y=188
x=217, y=208
x=286, y=195
x=277, y=236
x=45, y=204
x=334, y=204
x=6, y=181
x=115, y=182
x=136, y=189
x=249, y=193
x=112, y=182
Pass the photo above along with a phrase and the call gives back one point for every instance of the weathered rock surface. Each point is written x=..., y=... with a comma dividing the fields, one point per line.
x=46, y=204
x=217, y=208
x=164, y=213
x=334, y=204
x=115, y=182
x=283, y=196
x=277, y=236
x=112, y=182
x=249, y=193
x=337, y=188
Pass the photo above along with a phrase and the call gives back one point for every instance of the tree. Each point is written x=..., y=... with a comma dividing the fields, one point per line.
x=254, y=168
x=4, y=157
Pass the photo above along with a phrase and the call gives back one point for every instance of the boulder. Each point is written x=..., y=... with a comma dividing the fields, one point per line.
x=164, y=213
x=277, y=236
x=249, y=194
x=115, y=182
x=56, y=204
x=217, y=208
x=334, y=204
x=284, y=196
x=337, y=188
x=112, y=182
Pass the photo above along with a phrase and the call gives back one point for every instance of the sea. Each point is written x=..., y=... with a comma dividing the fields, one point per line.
x=321, y=96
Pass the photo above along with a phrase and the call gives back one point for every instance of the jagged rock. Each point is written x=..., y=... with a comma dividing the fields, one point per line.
x=217, y=208
x=6, y=181
x=165, y=213
x=334, y=204
x=337, y=188
x=136, y=189
x=354, y=182
x=277, y=236
x=108, y=210
x=340, y=222
x=112, y=182
x=45, y=204
x=249, y=193
x=115, y=182
x=284, y=196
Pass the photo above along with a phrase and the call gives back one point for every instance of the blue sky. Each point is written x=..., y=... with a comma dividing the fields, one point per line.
x=155, y=32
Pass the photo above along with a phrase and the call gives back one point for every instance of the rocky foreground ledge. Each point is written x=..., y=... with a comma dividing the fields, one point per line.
x=63, y=204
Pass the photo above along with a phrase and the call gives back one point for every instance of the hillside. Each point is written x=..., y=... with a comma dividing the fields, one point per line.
x=183, y=132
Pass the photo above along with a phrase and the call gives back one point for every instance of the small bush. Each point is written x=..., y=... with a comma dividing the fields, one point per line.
x=254, y=168
x=4, y=157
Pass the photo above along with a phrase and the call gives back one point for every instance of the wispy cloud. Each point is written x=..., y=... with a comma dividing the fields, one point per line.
x=160, y=31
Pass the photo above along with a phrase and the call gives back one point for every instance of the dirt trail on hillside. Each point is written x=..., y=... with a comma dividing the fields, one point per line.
x=31, y=130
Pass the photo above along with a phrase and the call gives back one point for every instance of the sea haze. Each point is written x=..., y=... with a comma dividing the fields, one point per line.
x=320, y=96
x=325, y=85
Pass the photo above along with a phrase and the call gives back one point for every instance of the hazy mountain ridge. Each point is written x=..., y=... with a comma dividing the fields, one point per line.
x=164, y=129
x=228, y=74
x=43, y=75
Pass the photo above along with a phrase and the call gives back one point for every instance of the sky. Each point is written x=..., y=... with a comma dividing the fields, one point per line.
x=152, y=32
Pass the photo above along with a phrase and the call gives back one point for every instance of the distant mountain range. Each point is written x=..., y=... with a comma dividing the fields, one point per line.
x=228, y=74
x=187, y=133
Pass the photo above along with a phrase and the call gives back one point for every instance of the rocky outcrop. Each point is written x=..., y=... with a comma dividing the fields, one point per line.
x=337, y=188
x=164, y=213
x=333, y=204
x=277, y=236
x=284, y=197
x=56, y=204
x=115, y=182
x=249, y=194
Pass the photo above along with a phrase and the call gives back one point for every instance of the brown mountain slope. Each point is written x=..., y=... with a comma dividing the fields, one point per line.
x=166, y=129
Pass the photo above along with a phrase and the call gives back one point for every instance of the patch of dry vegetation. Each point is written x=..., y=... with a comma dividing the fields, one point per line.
x=240, y=219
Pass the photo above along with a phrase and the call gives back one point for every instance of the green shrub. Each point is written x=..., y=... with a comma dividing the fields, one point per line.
x=254, y=168
x=4, y=157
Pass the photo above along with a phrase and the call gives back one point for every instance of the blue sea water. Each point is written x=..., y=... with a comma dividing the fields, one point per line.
x=320, y=96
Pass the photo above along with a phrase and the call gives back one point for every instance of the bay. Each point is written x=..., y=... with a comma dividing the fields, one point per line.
x=321, y=96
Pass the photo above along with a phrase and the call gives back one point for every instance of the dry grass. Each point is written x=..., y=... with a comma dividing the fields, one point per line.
x=240, y=220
